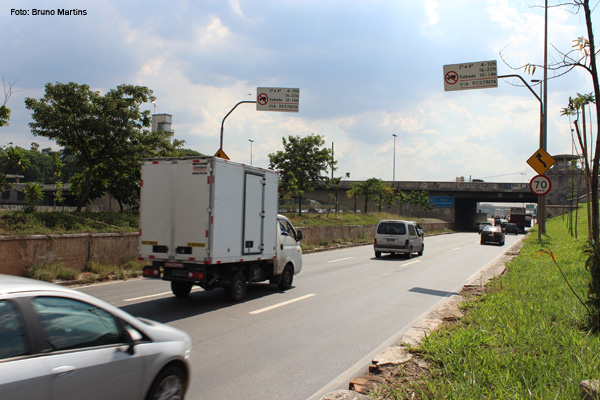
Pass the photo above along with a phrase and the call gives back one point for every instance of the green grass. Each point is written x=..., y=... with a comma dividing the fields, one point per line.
x=93, y=272
x=42, y=223
x=306, y=219
x=527, y=337
x=38, y=223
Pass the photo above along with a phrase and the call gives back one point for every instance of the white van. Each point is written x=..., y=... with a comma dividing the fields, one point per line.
x=398, y=237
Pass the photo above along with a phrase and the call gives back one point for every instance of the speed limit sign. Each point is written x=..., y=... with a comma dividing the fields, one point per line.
x=540, y=185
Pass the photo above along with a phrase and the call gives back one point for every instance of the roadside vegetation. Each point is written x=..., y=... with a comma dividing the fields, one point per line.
x=527, y=336
x=46, y=223
x=92, y=273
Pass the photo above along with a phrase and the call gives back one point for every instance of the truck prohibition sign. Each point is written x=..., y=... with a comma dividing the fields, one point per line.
x=540, y=185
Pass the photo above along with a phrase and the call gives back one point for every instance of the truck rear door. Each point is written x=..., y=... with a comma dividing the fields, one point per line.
x=191, y=204
x=254, y=193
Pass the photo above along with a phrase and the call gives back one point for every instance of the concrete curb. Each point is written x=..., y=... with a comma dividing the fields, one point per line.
x=447, y=310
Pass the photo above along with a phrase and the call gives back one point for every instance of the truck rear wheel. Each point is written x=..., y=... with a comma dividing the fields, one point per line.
x=238, y=288
x=181, y=289
x=287, y=276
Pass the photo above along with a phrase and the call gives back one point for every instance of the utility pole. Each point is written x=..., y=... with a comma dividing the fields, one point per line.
x=332, y=159
x=394, y=172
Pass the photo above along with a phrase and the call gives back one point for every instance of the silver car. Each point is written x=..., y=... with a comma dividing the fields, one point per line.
x=398, y=237
x=58, y=343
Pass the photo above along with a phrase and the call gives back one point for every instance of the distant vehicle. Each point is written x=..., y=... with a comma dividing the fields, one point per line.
x=492, y=234
x=398, y=237
x=60, y=343
x=511, y=228
x=483, y=225
x=517, y=216
x=497, y=221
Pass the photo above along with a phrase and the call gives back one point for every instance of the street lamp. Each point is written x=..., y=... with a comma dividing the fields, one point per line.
x=523, y=184
x=394, y=172
x=251, y=141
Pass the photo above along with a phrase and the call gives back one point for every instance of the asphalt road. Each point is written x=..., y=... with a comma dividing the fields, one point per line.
x=345, y=307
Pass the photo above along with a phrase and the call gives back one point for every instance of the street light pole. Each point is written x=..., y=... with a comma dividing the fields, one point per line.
x=543, y=136
x=223, y=122
x=394, y=165
x=251, y=141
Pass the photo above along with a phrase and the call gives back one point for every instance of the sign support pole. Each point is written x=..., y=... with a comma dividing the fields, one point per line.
x=223, y=122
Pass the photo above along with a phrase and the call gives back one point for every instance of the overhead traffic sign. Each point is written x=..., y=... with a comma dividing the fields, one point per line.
x=540, y=185
x=540, y=161
x=221, y=154
x=277, y=99
x=473, y=75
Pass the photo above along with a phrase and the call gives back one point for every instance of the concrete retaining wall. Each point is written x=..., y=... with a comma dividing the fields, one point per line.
x=76, y=250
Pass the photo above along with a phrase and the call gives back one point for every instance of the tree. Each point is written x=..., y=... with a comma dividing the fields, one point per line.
x=335, y=185
x=12, y=160
x=4, y=110
x=385, y=195
x=301, y=163
x=420, y=198
x=33, y=195
x=574, y=108
x=103, y=132
x=188, y=153
x=367, y=189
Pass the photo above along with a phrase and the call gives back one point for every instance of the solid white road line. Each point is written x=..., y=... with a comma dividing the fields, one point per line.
x=155, y=295
x=341, y=259
x=281, y=304
x=412, y=262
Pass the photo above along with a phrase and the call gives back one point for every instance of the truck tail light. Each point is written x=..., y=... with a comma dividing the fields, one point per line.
x=151, y=272
x=195, y=275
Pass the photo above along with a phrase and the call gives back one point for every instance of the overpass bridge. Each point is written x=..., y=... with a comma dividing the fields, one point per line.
x=453, y=201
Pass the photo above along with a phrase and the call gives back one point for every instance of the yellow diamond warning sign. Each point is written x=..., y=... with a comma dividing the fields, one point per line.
x=541, y=161
x=221, y=154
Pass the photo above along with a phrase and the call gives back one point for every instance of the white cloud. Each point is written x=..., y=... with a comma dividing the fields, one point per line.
x=431, y=12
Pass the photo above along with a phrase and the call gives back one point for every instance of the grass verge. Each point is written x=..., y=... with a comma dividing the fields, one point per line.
x=41, y=223
x=306, y=219
x=92, y=273
x=526, y=337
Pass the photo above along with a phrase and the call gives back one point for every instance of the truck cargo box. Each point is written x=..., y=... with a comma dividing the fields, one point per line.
x=207, y=210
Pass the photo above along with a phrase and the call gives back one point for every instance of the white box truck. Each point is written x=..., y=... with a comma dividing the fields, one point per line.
x=211, y=222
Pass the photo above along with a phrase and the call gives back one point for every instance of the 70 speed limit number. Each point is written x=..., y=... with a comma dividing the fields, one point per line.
x=540, y=185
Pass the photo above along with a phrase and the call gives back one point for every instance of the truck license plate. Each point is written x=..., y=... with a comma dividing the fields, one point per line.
x=179, y=273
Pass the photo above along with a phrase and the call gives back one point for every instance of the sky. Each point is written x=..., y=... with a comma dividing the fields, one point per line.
x=366, y=70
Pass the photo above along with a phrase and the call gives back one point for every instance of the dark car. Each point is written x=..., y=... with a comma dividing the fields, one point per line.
x=511, y=228
x=492, y=234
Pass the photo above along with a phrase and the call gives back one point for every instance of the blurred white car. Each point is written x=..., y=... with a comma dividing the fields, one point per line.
x=59, y=343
